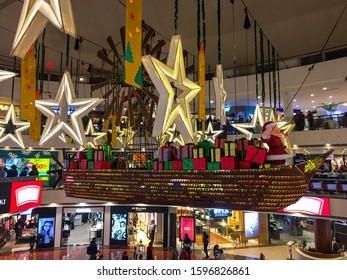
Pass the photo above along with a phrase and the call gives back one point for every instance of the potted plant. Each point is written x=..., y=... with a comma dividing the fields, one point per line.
x=331, y=109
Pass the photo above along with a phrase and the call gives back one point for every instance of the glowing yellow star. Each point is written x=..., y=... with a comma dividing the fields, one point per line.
x=57, y=123
x=129, y=135
x=161, y=75
x=211, y=134
x=256, y=120
x=16, y=134
x=90, y=132
x=33, y=19
x=119, y=134
x=220, y=94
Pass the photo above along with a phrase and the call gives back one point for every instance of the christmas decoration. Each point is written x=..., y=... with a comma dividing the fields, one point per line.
x=11, y=128
x=4, y=75
x=90, y=132
x=161, y=75
x=58, y=123
x=210, y=134
x=220, y=94
x=33, y=19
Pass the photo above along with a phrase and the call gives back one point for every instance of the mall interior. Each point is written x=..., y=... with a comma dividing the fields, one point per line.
x=45, y=216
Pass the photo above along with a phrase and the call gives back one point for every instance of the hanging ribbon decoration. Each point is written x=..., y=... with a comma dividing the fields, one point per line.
x=278, y=83
x=176, y=16
x=256, y=60
x=219, y=33
x=262, y=70
x=67, y=51
x=269, y=71
x=274, y=77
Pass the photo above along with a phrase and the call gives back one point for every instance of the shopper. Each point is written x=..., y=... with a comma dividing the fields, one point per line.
x=93, y=249
x=150, y=251
x=222, y=255
x=153, y=229
x=34, y=171
x=33, y=233
x=24, y=172
x=187, y=243
x=125, y=256
x=2, y=172
x=216, y=252
x=184, y=254
x=205, y=241
x=13, y=172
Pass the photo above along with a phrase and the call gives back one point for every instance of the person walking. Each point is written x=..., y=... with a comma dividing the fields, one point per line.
x=150, y=251
x=153, y=229
x=205, y=241
x=33, y=233
x=34, y=171
x=93, y=249
x=187, y=243
x=13, y=172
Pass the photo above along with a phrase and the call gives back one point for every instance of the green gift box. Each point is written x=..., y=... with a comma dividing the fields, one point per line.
x=150, y=165
x=90, y=153
x=107, y=149
x=188, y=164
x=206, y=145
x=215, y=154
x=168, y=165
x=90, y=164
x=213, y=166
x=230, y=149
x=110, y=158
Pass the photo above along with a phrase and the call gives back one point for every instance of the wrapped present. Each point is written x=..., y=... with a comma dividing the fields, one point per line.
x=187, y=151
x=230, y=149
x=227, y=163
x=243, y=164
x=99, y=165
x=256, y=155
x=188, y=164
x=108, y=165
x=179, y=152
x=177, y=165
x=173, y=152
x=158, y=165
x=164, y=153
x=90, y=154
x=219, y=143
x=90, y=165
x=80, y=156
x=84, y=164
x=74, y=165
x=199, y=163
x=242, y=144
x=241, y=155
x=79, y=165
x=168, y=165
x=66, y=163
x=213, y=166
x=150, y=164
x=206, y=145
x=118, y=163
x=99, y=155
x=107, y=149
x=216, y=153
x=256, y=143
x=198, y=152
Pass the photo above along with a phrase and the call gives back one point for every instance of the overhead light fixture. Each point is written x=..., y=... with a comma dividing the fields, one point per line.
x=330, y=96
x=247, y=23
x=312, y=94
x=325, y=88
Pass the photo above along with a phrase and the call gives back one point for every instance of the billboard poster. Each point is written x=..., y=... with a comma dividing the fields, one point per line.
x=251, y=225
x=45, y=232
x=25, y=195
x=119, y=226
x=187, y=225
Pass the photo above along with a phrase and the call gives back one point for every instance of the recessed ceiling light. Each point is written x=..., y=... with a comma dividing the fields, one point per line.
x=211, y=101
x=294, y=100
x=325, y=88
x=297, y=106
x=312, y=94
x=312, y=101
x=313, y=107
x=330, y=96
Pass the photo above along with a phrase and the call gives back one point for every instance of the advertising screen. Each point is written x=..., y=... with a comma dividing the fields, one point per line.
x=42, y=164
x=45, y=231
x=187, y=225
x=251, y=225
x=119, y=226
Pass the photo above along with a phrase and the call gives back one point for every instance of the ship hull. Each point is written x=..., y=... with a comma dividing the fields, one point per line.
x=241, y=189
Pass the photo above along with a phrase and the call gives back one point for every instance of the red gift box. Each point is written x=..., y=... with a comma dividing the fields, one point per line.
x=158, y=165
x=73, y=165
x=108, y=165
x=80, y=156
x=99, y=165
x=177, y=165
x=199, y=163
x=243, y=164
x=256, y=155
x=164, y=153
x=84, y=164
x=219, y=143
x=242, y=144
x=227, y=163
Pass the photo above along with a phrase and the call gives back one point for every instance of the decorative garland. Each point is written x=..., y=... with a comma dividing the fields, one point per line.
x=176, y=16
x=219, y=32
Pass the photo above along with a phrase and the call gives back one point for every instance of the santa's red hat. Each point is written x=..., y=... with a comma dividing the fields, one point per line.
x=267, y=125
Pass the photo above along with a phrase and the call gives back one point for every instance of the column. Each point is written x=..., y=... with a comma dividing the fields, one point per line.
x=323, y=237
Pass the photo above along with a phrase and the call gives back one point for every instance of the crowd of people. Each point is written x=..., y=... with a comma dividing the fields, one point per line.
x=13, y=171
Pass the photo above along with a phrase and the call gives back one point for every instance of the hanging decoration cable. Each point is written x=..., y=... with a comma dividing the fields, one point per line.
x=278, y=83
x=43, y=50
x=274, y=77
x=269, y=71
x=176, y=16
x=14, y=70
x=262, y=65
x=219, y=33
x=67, y=50
x=256, y=61
x=198, y=26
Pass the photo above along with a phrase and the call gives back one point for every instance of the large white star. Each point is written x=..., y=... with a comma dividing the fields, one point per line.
x=210, y=134
x=169, y=112
x=57, y=124
x=33, y=19
x=220, y=95
x=11, y=118
x=90, y=132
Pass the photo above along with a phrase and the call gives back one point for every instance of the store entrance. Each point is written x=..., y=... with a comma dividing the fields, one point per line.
x=80, y=225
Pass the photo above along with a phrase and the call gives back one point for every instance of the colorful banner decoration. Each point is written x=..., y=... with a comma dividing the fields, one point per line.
x=33, y=19
x=133, y=42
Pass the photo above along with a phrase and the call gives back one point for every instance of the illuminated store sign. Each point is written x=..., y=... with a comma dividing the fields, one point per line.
x=220, y=212
x=319, y=206
x=25, y=195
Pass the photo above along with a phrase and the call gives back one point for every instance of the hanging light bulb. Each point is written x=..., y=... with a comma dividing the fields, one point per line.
x=247, y=23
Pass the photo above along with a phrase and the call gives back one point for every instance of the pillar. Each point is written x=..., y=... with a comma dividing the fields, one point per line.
x=323, y=237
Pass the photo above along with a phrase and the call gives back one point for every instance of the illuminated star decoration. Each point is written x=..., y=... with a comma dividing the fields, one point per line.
x=257, y=118
x=33, y=19
x=119, y=134
x=4, y=75
x=90, y=132
x=169, y=112
x=171, y=135
x=211, y=134
x=220, y=95
x=284, y=126
x=57, y=123
x=11, y=123
x=129, y=135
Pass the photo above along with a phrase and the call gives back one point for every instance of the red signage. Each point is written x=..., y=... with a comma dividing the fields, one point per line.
x=310, y=205
x=25, y=195
x=187, y=225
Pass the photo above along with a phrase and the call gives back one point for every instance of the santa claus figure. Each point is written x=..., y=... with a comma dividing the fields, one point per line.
x=273, y=137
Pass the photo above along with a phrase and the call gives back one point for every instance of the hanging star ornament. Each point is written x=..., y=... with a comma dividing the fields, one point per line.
x=59, y=123
x=119, y=134
x=5, y=75
x=221, y=95
x=90, y=132
x=257, y=120
x=210, y=134
x=33, y=19
x=170, y=109
x=13, y=127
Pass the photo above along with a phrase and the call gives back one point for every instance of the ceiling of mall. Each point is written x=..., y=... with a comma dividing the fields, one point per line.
x=295, y=28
